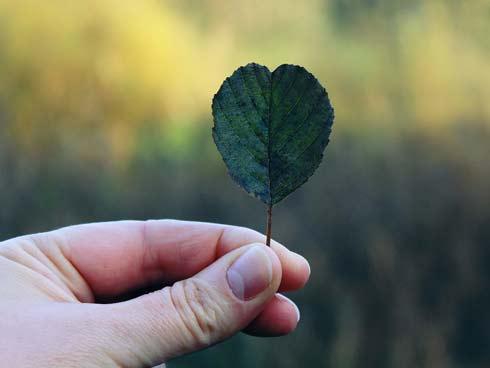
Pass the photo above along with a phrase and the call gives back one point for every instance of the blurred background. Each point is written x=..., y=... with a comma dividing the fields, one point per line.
x=105, y=114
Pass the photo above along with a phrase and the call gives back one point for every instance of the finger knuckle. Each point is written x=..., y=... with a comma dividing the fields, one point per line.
x=195, y=303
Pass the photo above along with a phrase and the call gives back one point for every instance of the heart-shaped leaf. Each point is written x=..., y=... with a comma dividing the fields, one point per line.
x=271, y=128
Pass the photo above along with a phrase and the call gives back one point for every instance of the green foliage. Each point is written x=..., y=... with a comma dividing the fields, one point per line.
x=271, y=128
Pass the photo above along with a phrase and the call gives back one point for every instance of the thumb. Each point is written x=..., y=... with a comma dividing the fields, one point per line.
x=195, y=313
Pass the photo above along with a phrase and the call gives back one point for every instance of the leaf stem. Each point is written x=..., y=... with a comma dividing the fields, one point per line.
x=269, y=225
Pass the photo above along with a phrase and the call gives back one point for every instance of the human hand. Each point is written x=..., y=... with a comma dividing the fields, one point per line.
x=74, y=297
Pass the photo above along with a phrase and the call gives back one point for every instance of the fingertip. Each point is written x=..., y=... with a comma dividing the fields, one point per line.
x=304, y=270
x=291, y=303
x=277, y=267
x=295, y=268
x=296, y=271
x=280, y=317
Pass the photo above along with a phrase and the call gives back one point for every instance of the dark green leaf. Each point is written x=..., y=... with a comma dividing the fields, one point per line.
x=271, y=128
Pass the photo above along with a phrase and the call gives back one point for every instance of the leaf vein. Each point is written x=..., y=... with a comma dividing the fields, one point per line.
x=314, y=141
x=249, y=93
x=300, y=98
x=313, y=110
x=254, y=67
x=242, y=114
x=238, y=136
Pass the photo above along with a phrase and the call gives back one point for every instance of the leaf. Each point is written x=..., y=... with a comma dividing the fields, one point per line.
x=271, y=128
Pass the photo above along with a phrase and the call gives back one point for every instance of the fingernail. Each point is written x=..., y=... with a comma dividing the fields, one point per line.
x=250, y=274
x=298, y=314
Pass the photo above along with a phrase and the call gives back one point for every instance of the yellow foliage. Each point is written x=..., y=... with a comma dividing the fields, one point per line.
x=104, y=65
x=107, y=66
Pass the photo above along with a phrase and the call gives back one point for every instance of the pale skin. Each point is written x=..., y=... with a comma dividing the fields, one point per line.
x=78, y=296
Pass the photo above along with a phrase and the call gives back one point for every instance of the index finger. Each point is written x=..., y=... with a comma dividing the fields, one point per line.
x=117, y=257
